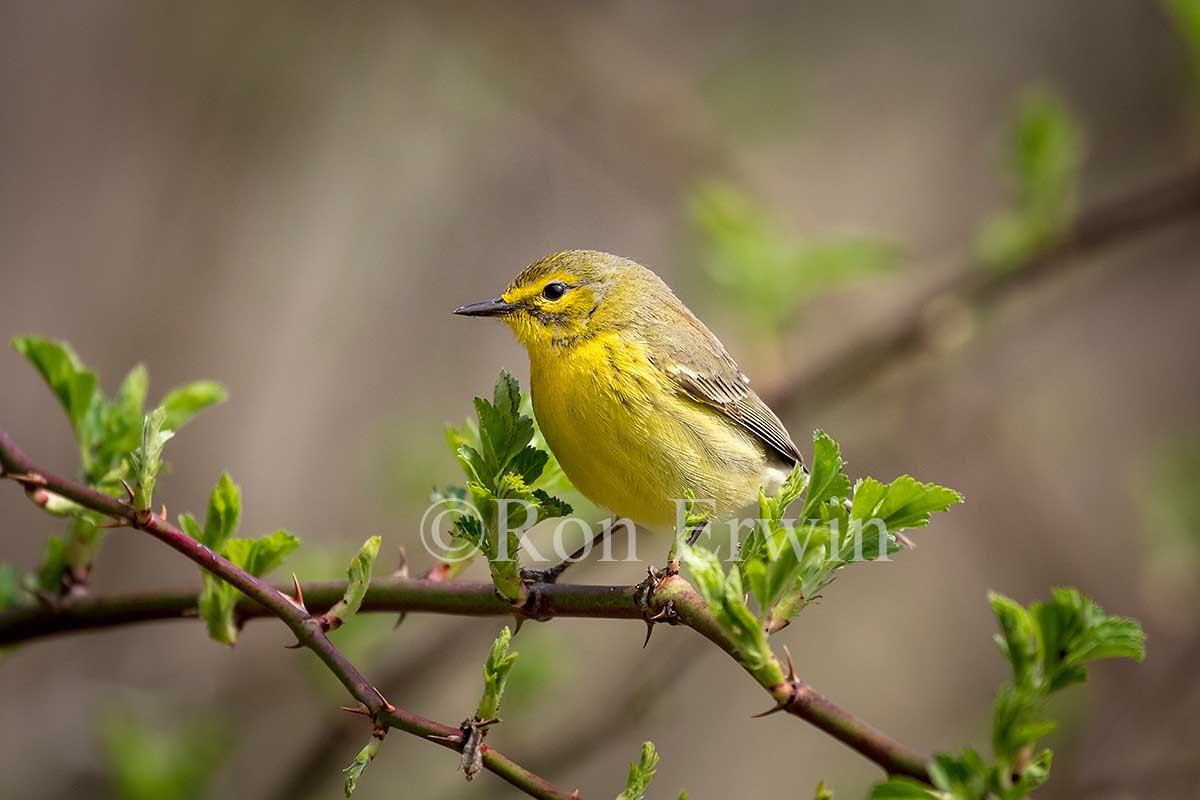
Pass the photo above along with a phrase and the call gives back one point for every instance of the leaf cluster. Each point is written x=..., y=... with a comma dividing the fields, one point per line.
x=786, y=563
x=504, y=467
x=495, y=677
x=218, y=599
x=117, y=441
x=641, y=772
x=1048, y=646
x=359, y=765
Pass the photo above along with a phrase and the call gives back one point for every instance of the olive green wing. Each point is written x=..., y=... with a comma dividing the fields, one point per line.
x=698, y=363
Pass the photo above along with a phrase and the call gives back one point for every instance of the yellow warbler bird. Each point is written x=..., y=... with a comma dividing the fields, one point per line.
x=639, y=401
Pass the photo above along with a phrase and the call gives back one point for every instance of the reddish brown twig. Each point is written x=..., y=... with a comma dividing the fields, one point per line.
x=301, y=623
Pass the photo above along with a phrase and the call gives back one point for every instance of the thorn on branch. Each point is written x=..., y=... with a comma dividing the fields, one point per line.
x=791, y=684
x=27, y=479
x=775, y=709
x=128, y=490
x=387, y=706
x=358, y=708
x=401, y=570
x=791, y=673
x=298, y=600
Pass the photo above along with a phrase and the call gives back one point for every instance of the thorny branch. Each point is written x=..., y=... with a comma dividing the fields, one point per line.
x=271, y=602
x=411, y=595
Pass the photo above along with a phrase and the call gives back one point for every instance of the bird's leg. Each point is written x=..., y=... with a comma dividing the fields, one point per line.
x=552, y=574
x=532, y=608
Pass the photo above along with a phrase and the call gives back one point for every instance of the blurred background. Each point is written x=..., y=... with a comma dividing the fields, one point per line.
x=290, y=197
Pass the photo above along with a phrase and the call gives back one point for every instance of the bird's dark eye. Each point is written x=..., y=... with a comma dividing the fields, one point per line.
x=554, y=291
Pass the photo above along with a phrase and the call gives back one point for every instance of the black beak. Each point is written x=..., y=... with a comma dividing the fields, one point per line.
x=487, y=308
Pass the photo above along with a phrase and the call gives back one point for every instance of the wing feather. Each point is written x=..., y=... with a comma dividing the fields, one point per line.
x=710, y=376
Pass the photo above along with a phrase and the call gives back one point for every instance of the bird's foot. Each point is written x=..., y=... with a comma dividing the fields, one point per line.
x=644, y=596
x=532, y=577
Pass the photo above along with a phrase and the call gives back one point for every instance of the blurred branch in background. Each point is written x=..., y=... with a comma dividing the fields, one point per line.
x=971, y=289
x=639, y=691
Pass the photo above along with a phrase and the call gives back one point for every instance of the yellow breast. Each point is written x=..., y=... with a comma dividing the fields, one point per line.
x=630, y=442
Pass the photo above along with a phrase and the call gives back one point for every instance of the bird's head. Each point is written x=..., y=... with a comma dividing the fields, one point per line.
x=569, y=296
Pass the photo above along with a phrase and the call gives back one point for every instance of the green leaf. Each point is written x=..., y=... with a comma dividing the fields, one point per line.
x=185, y=402
x=758, y=265
x=495, y=676
x=822, y=792
x=146, y=461
x=219, y=599
x=725, y=599
x=1036, y=773
x=1016, y=639
x=131, y=397
x=359, y=575
x=224, y=512
x=1185, y=15
x=1044, y=156
x=528, y=463
x=11, y=593
x=356, y=768
x=902, y=504
x=191, y=527
x=76, y=387
x=641, y=772
x=260, y=556
x=826, y=480
x=904, y=789
x=964, y=776
x=144, y=762
x=53, y=569
x=216, y=606
x=550, y=507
